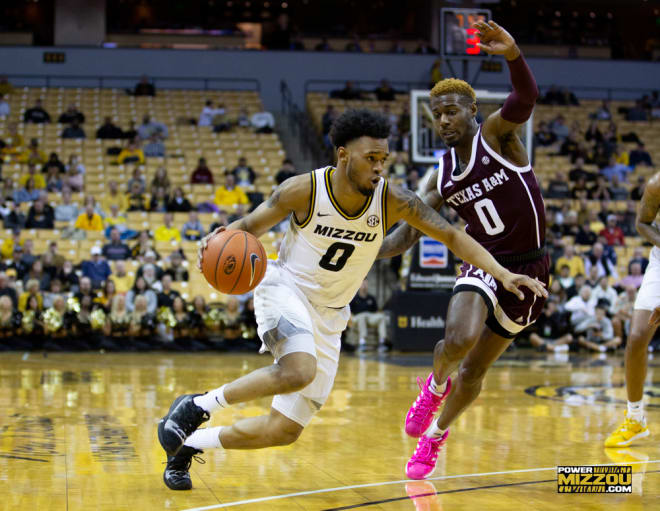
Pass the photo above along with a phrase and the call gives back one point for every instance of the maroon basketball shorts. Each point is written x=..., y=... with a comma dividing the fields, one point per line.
x=507, y=314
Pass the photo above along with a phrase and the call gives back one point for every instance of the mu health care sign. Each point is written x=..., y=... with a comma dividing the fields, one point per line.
x=418, y=319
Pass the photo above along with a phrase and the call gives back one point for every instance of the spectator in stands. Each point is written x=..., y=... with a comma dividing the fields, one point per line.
x=617, y=169
x=37, y=273
x=262, y=122
x=243, y=119
x=167, y=232
x=593, y=134
x=193, y=230
x=123, y=281
x=159, y=200
x=115, y=219
x=230, y=194
x=155, y=147
x=634, y=277
x=585, y=235
x=143, y=247
x=603, y=292
x=559, y=128
x=109, y=131
x=178, y=202
x=637, y=112
x=53, y=161
x=38, y=180
x=32, y=154
x=28, y=193
x=68, y=277
x=71, y=115
x=597, y=333
x=140, y=288
x=578, y=172
x=399, y=167
x=365, y=313
x=8, y=190
x=602, y=113
x=97, y=269
x=176, y=270
x=424, y=48
x=17, y=263
x=572, y=260
x=580, y=306
x=638, y=257
x=640, y=156
x=40, y=215
x=151, y=127
x=131, y=133
x=349, y=92
x=580, y=190
x=13, y=218
x=623, y=311
x=286, y=171
x=569, y=146
x=74, y=179
x=220, y=120
x=138, y=178
x=165, y=298
x=385, y=92
x=559, y=187
x=570, y=225
x=637, y=192
x=618, y=191
x=323, y=45
x=116, y=250
x=36, y=114
x=13, y=140
x=31, y=290
x=74, y=130
x=131, y=154
x=7, y=290
x=53, y=258
x=89, y=220
x=600, y=190
x=74, y=163
x=53, y=181
x=354, y=45
x=243, y=173
x=202, y=174
x=136, y=198
x=550, y=331
x=208, y=112
x=628, y=219
x=114, y=196
x=5, y=86
x=144, y=88
x=596, y=257
x=5, y=109
x=9, y=243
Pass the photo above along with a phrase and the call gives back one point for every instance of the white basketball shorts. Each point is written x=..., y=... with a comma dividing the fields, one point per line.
x=648, y=296
x=288, y=323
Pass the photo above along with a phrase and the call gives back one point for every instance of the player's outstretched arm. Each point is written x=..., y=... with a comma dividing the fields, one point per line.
x=292, y=196
x=519, y=104
x=405, y=236
x=648, y=210
x=409, y=207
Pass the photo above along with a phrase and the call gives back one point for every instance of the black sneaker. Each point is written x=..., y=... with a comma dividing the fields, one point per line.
x=176, y=475
x=183, y=418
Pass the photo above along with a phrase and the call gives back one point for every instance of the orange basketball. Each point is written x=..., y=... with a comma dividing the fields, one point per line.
x=234, y=262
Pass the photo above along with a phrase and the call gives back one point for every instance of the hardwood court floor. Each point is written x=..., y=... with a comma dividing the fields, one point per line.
x=77, y=431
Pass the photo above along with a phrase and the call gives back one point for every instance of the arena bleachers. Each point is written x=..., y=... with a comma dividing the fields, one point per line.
x=186, y=143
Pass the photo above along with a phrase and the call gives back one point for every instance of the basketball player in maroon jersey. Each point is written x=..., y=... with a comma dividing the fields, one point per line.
x=487, y=178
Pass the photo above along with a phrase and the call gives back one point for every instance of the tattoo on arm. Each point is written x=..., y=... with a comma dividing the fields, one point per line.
x=274, y=198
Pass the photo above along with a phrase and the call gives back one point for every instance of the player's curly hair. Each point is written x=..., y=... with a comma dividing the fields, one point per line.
x=354, y=123
x=454, y=86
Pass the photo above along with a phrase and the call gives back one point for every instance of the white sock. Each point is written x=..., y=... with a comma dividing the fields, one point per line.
x=636, y=410
x=434, y=431
x=212, y=400
x=205, y=438
x=437, y=389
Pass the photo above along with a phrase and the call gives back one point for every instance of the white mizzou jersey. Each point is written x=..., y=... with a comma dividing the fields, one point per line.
x=329, y=253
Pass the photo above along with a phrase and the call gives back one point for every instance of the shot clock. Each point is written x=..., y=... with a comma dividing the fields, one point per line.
x=459, y=37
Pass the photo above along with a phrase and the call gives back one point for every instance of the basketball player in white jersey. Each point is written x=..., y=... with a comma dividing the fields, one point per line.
x=338, y=219
x=644, y=323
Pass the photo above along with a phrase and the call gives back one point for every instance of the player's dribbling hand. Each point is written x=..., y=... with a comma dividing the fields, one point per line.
x=513, y=282
x=654, y=320
x=202, y=245
x=495, y=40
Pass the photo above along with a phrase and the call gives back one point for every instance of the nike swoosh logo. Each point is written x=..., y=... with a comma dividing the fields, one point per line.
x=323, y=214
x=253, y=259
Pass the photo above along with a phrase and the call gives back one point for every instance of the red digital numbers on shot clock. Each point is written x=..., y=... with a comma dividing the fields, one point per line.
x=472, y=42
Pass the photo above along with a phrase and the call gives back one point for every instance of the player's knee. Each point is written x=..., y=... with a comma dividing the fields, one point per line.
x=298, y=376
x=472, y=375
x=285, y=434
x=457, y=344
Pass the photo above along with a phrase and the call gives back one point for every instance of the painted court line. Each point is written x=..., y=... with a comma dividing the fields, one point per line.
x=388, y=483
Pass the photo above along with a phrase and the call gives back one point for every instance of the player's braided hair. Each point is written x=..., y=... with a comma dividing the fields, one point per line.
x=353, y=124
x=454, y=86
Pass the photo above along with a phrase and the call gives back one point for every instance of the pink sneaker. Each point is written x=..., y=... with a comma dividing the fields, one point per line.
x=421, y=412
x=422, y=462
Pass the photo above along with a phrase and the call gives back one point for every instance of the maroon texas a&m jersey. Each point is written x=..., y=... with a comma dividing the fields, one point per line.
x=500, y=203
